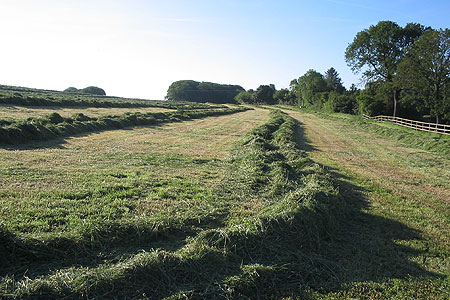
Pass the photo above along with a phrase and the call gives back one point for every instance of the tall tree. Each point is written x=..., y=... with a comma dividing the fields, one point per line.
x=333, y=80
x=426, y=70
x=379, y=50
x=264, y=94
x=309, y=85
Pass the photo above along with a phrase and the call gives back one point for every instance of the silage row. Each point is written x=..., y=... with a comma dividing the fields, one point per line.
x=54, y=125
x=258, y=252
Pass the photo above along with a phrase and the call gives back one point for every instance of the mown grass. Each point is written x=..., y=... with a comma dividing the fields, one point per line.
x=14, y=112
x=43, y=98
x=137, y=236
x=409, y=137
x=54, y=125
x=397, y=245
x=273, y=224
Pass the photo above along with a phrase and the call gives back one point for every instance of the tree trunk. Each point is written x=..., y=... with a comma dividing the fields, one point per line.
x=396, y=92
x=436, y=101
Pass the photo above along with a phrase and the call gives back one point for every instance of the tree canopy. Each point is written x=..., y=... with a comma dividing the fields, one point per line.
x=377, y=52
x=93, y=90
x=194, y=91
x=425, y=72
x=264, y=94
x=333, y=81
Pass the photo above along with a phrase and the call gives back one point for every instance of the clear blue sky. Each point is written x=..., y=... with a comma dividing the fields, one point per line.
x=137, y=48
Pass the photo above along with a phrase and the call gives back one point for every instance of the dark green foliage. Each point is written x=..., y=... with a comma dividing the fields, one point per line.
x=285, y=96
x=194, y=91
x=317, y=91
x=93, y=90
x=246, y=97
x=370, y=105
x=54, y=125
x=308, y=87
x=333, y=80
x=71, y=90
x=264, y=94
x=379, y=50
x=425, y=72
x=324, y=93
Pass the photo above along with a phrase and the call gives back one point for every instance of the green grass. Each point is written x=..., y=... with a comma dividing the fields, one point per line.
x=409, y=137
x=397, y=245
x=269, y=223
x=41, y=98
x=141, y=236
x=54, y=125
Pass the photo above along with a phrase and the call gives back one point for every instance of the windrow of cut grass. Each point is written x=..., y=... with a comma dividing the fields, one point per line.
x=54, y=125
x=36, y=97
x=249, y=237
x=409, y=137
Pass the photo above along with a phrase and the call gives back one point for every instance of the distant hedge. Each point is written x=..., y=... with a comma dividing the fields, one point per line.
x=54, y=125
x=194, y=91
x=93, y=90
x=24, y=96
x=61, y=99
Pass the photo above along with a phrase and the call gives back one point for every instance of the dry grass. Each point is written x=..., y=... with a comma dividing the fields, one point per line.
x=64, y=163
x=15, y=112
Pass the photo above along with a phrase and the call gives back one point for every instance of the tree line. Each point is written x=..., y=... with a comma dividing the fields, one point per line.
x=194, y=91
x=405, y=72
x=93, y=90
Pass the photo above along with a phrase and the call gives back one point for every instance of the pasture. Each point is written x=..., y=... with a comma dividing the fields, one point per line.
x=252, y=204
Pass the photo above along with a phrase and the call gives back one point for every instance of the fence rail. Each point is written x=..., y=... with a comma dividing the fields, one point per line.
x=417, y=125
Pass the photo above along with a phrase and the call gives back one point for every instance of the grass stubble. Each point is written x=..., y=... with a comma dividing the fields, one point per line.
x=137, y=220
x=404, y=177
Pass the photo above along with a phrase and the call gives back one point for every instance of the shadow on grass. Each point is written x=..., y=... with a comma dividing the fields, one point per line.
x=60, y=141
x=33, y=258
x=301, y=139
x=283, y=260
x=319, y=249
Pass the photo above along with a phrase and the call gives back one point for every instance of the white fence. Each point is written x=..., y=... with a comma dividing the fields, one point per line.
x=430, y=127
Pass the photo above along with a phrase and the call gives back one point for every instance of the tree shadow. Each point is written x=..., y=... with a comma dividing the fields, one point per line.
x=33, y=258
x=289, y=257
x=302, y=142
x=283, y=260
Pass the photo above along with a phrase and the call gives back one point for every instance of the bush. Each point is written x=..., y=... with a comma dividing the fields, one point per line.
x=370, y=105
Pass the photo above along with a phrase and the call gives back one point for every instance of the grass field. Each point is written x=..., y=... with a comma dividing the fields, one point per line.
x=250, y=205
x=406, y=195
x=15, y=112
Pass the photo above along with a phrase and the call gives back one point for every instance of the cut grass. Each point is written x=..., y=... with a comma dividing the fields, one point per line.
x=44, y=98
x=269, y=223
x=14, y=112
x=54, y=125
x=404, y=186
x=408, y=137
x=207, y=246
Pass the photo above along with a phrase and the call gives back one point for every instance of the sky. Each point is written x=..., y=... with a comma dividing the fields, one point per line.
x=137, y=48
